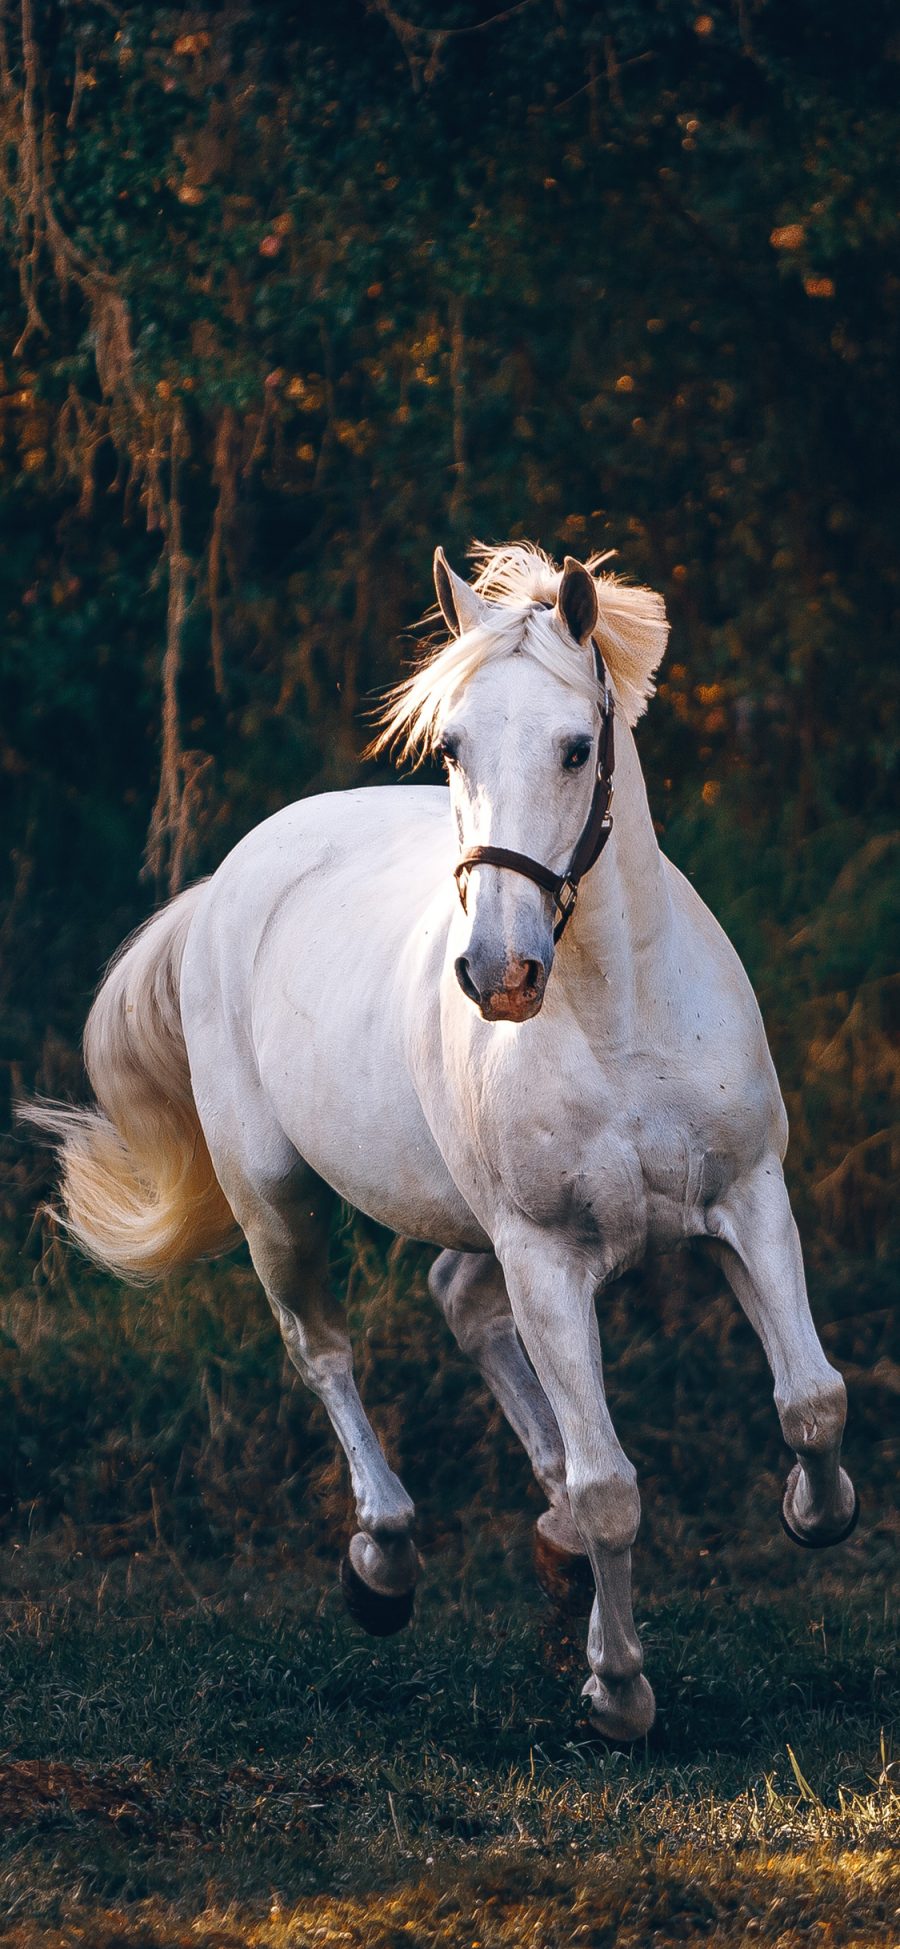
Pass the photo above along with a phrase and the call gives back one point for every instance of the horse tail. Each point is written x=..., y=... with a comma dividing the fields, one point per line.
x=139, y=1193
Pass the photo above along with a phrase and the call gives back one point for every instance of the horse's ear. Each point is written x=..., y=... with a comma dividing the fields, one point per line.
x=460, y=606
x=576, y=600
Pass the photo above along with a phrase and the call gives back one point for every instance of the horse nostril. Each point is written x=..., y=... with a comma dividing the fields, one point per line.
x=534, y=976
x=465, y=980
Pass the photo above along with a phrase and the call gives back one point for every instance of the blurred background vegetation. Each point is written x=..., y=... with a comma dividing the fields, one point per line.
x=288, y=295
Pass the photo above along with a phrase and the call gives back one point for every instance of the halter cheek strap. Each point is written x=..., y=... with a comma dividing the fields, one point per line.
x=563, y=887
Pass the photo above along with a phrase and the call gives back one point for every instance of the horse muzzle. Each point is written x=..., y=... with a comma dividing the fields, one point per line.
x=512, y=994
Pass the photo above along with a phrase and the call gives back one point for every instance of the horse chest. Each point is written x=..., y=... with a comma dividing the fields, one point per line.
x=620, y=1155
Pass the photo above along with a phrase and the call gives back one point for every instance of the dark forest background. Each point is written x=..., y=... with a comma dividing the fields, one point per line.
x=287, y=295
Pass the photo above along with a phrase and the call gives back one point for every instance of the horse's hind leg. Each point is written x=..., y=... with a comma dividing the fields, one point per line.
x=470, y=1290
x=755, y=1239
x=287, y=1232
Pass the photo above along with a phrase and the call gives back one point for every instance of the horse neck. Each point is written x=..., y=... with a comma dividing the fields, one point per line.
x=620, y=925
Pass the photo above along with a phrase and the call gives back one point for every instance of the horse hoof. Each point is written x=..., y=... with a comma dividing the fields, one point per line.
x=565, y=1575
x=379, y=1612
x=823, y=1539
x=621, y=1713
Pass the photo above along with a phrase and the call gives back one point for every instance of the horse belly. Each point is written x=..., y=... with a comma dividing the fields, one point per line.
x=331, y=1060
x=386, y=1169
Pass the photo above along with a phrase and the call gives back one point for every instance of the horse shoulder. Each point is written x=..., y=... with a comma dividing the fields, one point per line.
x=723, y=1043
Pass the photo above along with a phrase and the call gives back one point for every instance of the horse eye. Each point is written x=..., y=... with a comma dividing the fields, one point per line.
x=577, y=755
x=448, y=750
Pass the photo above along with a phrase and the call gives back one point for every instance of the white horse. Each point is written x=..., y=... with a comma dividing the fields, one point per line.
x=328, y=1014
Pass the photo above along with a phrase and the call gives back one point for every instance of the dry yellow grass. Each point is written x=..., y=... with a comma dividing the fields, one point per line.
x=843, y=1898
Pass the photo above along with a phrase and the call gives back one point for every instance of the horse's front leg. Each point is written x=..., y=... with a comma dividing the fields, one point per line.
x=470, y=1290
x=754, y=1236
x=287, y=1233
x=551, y=1290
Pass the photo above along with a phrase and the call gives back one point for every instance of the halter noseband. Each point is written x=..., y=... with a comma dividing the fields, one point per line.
x=594, y=834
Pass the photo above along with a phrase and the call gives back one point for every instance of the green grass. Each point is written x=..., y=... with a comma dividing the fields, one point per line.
x=237, y=1764
x=198, y=1750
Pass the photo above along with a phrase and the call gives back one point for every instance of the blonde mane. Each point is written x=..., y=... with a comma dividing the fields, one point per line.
x=631, y=636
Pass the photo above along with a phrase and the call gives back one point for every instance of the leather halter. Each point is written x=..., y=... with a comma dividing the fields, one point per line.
x=563, y=887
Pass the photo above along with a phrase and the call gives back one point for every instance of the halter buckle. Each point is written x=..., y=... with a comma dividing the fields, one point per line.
x=565, y=897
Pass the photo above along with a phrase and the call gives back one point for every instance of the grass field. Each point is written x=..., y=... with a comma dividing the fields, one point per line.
x=198, y=1748
x=194, y=1756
